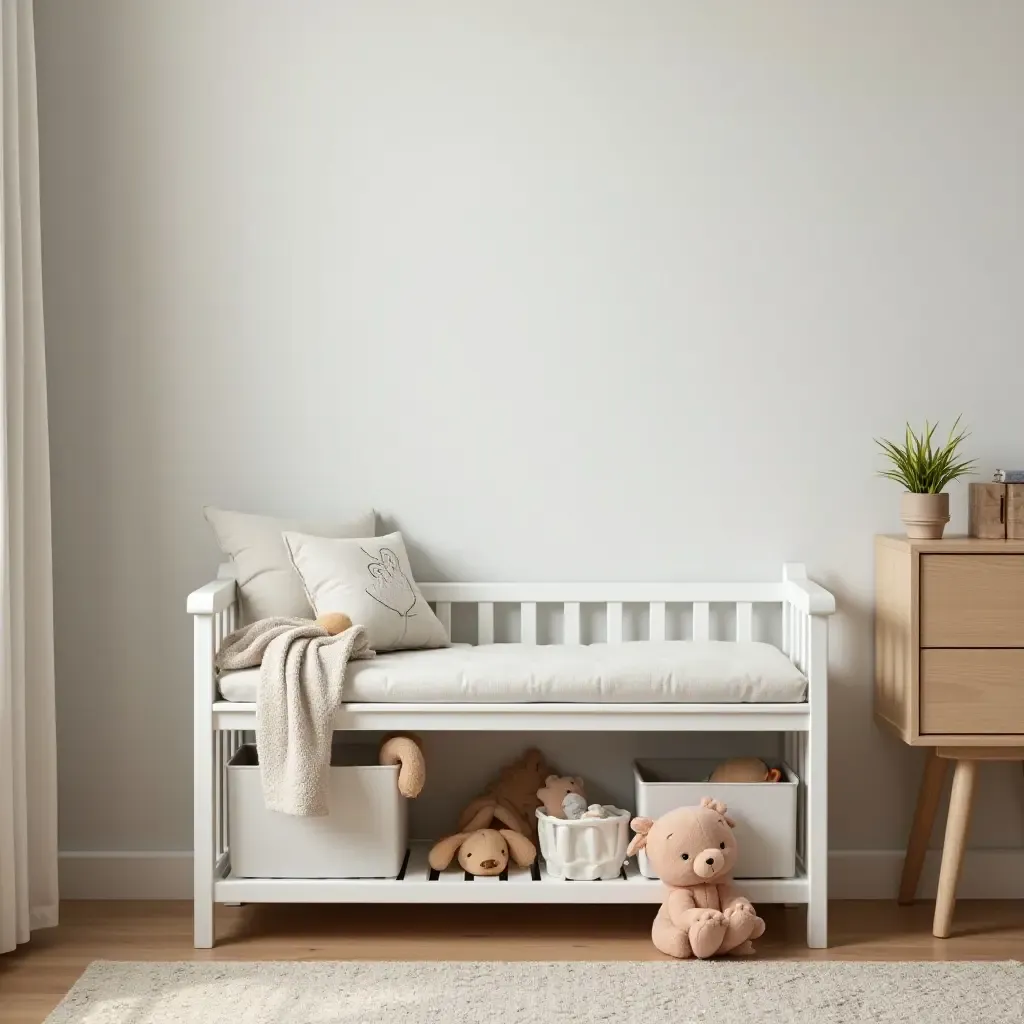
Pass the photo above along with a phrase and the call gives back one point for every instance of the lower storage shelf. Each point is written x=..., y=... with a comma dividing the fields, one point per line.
x=417, y=883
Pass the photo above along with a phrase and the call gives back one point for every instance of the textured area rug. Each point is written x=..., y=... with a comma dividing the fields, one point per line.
x=715, y=992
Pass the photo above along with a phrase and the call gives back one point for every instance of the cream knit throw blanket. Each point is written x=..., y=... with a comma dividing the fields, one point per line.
x=302, y=673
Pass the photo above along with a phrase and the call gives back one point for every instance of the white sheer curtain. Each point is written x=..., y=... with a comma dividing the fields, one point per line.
x=28, y=757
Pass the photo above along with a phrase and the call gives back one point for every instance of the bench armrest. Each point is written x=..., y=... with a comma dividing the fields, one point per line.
x=810, y=597
x=805, y=595
x=212, y=598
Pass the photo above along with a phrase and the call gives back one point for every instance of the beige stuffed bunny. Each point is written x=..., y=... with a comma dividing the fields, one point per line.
x=483, y=852
x=499, y=823
x=511, y=798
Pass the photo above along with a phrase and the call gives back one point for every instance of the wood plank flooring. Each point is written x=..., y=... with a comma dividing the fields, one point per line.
x=34, y=979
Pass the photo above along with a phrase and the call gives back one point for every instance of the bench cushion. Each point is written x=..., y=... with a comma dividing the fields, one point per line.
x=637, y=672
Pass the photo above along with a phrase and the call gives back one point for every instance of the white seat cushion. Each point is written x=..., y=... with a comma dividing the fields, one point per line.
x=639, y=672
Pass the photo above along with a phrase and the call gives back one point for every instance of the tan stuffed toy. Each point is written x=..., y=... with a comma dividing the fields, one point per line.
x=693, y=851
x=500, y=820
x=511, y=798
x=554, y=791
x=334, y=622
x=745, y=769
x=485, y=851
x=407, y=752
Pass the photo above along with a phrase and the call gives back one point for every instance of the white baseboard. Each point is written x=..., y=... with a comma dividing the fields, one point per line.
x=853, y=875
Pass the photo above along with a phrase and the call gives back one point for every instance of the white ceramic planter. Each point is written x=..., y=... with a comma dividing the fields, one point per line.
x=584, y=849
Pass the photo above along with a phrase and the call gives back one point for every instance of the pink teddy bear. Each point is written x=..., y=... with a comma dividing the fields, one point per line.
x=693, y=851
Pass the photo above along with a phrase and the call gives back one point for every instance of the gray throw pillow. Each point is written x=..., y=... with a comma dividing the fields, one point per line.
x=267, y=584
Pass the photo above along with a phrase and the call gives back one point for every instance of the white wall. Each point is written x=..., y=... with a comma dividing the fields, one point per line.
x=587, y=290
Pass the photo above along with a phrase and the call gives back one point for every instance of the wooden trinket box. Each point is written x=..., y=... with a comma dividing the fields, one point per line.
x=996, y=511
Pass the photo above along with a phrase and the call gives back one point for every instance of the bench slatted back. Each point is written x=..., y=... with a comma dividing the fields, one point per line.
x=661, y=600
x=663, y=603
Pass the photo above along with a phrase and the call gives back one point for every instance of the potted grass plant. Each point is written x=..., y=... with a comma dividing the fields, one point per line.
x=925, y=470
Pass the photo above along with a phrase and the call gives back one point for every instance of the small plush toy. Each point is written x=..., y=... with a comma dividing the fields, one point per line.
x=485, y=851
x=576, y=809
x=407, y=752
x=555, y=790
x=745, y=769
x=574, y=805
x=510, y=799
x=334, y=622
x=693, y=851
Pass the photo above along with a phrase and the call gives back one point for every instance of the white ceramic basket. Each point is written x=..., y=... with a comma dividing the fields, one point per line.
x=584, y=849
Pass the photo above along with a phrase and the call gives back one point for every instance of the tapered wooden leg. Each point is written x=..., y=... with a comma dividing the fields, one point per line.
x=957, y=825
x=934, y=777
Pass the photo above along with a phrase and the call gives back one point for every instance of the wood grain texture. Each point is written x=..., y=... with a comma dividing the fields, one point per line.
x=979, y=740
x=895, y=640
x=972, y=691
x=949, y=673
x=958, y=824
x=972, y=602
x=981, y=753
x=986, y=511
x=952, y=544
x=1015, y=511
x=35, y=978
x=932, y=781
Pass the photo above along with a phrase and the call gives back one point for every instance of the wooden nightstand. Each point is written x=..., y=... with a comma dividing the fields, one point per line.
x=949, y=676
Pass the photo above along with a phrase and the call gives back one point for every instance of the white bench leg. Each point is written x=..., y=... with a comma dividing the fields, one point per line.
x=202, y=920
x=816, y=860
x=204, y=836
x=817, y=922
x=203, y=853
x=816, y=771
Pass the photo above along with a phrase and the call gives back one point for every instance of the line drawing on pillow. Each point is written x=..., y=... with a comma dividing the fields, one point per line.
x=391, y=587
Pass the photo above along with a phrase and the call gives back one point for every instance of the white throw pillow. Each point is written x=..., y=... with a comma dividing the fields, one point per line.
x=267, y=583
x=371, y=582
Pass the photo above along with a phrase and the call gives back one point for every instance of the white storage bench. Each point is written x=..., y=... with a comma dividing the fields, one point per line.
x=636, y=679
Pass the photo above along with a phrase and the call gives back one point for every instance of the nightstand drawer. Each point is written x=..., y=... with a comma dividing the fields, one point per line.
x=972, y=600
x=972, y=691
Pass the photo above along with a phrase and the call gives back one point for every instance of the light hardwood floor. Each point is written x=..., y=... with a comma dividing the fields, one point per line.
x=33, y=979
